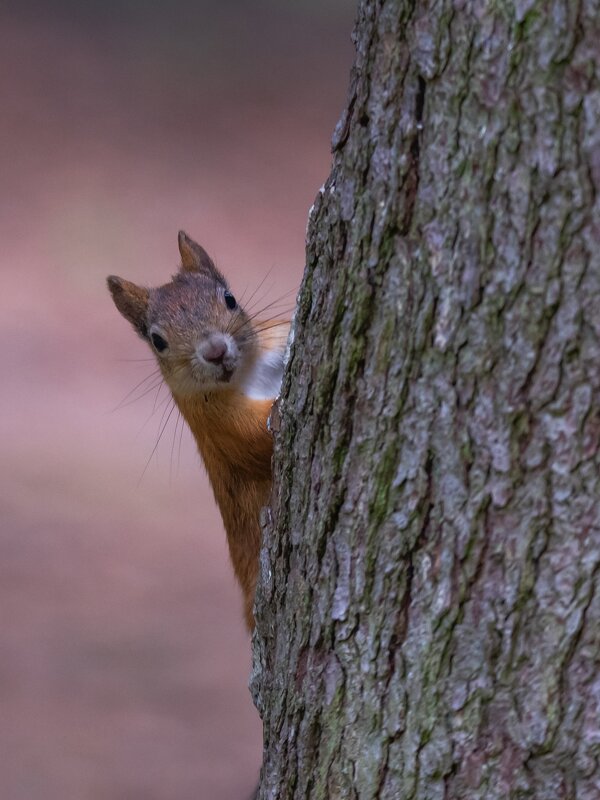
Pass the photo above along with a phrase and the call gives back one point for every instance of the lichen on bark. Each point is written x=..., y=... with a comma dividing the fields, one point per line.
x=427, y=609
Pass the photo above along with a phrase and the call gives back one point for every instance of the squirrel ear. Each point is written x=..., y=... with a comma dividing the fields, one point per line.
x=193, y=257
x=131, y=301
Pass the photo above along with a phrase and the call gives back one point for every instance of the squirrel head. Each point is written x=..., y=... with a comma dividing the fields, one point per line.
x=202, y=339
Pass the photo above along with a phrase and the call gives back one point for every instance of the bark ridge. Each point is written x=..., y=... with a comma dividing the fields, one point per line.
x=427, y=610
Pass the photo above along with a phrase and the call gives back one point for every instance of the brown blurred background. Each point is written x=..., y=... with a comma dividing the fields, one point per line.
x=123, y=658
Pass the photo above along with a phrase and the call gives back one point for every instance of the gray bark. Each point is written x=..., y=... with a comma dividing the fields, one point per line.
x=428, y=613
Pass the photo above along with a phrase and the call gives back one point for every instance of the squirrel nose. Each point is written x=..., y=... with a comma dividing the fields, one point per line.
x=214, y=350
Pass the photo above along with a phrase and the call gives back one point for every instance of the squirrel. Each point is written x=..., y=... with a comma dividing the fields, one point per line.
x=224, y=370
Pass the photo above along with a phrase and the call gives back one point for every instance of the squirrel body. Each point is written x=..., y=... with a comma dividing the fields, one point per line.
x=224, y=370
x=236, y=447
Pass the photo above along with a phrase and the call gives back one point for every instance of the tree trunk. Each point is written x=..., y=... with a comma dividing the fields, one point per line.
x=428, y=620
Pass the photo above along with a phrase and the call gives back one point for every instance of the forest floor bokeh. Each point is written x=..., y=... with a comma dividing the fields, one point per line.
x=124, y=661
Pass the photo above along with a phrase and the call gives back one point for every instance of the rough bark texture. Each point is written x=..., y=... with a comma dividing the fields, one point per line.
x=428, y=609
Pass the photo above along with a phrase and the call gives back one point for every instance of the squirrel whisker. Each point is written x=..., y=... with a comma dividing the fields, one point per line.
x=126, y=402
x=248, y=307
x=160, y=435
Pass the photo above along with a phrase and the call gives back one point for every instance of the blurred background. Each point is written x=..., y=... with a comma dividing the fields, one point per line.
x=123, y=658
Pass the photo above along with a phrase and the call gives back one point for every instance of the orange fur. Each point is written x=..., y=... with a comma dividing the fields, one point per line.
x=236, y=447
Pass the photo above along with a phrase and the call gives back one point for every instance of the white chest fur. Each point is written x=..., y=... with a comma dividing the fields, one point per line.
x=263, y=381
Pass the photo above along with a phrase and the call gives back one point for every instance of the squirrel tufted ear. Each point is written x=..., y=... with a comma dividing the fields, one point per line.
x=193, y=257
x=131, y=301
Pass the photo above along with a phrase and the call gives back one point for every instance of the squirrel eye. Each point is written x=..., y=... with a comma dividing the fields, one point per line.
x=230, y=301
x=159, y=342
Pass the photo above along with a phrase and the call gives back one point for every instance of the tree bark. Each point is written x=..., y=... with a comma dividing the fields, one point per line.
x=428, y=613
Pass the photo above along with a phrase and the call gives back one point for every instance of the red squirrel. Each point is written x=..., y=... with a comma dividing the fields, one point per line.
x=224, y=370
